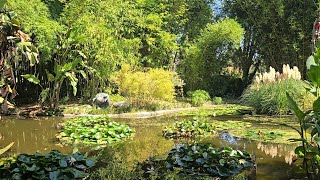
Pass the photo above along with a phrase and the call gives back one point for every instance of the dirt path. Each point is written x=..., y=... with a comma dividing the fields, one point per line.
x=139, y=114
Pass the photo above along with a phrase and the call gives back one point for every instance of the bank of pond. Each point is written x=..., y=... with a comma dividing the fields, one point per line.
x=171, y=147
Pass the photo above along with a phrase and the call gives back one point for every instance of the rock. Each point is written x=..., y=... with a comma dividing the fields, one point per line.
x=121, y=104
x=102, y=100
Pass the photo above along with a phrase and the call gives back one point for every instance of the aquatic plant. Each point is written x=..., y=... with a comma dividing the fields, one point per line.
x=53, y=165
x=264, y=135
x=93, y=131
x=227, y=109
x=200, y=160
x=189, y=128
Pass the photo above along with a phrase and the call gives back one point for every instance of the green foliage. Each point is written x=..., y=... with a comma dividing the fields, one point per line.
x=209, y=55
x=263, y=42
x=309, y=121
x=15, y=47
x=201, y=160
x=3, y=150
x=199, y=97
x=270, y=98
x=262, y=135
x=35, y=19
x=189, y=128
x=217, y=100
x=142, y=88
x=151, y=34
x=228, y=109
x=53, y=165
x=93, y=131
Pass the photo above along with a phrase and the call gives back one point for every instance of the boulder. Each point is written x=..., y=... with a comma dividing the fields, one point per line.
x=102, y=100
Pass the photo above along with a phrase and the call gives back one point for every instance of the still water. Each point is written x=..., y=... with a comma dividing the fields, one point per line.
x=274, y=161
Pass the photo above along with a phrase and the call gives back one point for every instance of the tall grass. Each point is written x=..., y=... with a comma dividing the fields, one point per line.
x=270, y=98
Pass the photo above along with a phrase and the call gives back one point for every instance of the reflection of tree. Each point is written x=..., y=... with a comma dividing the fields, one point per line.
x=277, y=150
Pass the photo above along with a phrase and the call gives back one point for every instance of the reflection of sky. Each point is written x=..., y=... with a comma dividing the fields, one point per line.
x=228, y=138
x=273, y=150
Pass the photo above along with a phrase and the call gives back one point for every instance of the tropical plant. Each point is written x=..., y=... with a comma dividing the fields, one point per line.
x=53, y=165
x=93, y=131
x=15, y=46
x=199, y=97
x=309, y=120
x=202, y=160
x=189, y=128
x=68, y=62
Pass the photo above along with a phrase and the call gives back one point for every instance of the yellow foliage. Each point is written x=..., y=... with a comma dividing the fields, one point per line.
x=143, y=88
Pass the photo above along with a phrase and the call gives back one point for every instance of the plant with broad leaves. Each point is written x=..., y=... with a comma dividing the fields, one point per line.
x=68, y=62
x=93, y=131
x=200, y=160
x=310, y=120
x=15, y=46
x=189, y=128
x=53, y=165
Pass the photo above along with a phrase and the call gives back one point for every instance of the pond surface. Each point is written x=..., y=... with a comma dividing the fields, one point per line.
x=274, y=161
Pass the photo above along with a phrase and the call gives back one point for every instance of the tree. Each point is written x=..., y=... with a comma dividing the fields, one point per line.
x=277, y=32
x=210, y=54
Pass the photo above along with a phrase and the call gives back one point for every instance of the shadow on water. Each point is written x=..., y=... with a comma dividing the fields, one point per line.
x=274, y=161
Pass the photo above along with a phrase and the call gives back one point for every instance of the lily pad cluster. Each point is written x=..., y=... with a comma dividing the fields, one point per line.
x=263, y=135
x=53, y=165
x=189, y=128
x=200, y=160
x=93, y=131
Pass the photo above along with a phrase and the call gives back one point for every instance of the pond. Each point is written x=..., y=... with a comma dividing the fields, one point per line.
x=274, y=161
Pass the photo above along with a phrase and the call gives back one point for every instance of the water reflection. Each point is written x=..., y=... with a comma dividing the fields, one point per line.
x=30, y=136
x=278, y=150
x=274, y=161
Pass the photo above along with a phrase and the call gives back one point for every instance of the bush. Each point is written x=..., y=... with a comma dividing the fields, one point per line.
x=270, y=98
x=53, y=165
x=93, y=131
x=217, y=100
x=143, y=87
x=199, y=97
x=189, y=129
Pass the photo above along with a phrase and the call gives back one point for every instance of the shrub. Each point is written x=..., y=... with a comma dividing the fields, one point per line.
x=143, y=87
x=53, y=165
x=93, y=131
x=267, y=94
x=217, y=100
x=199, y=97
x=270, y=98
x=188, y=129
